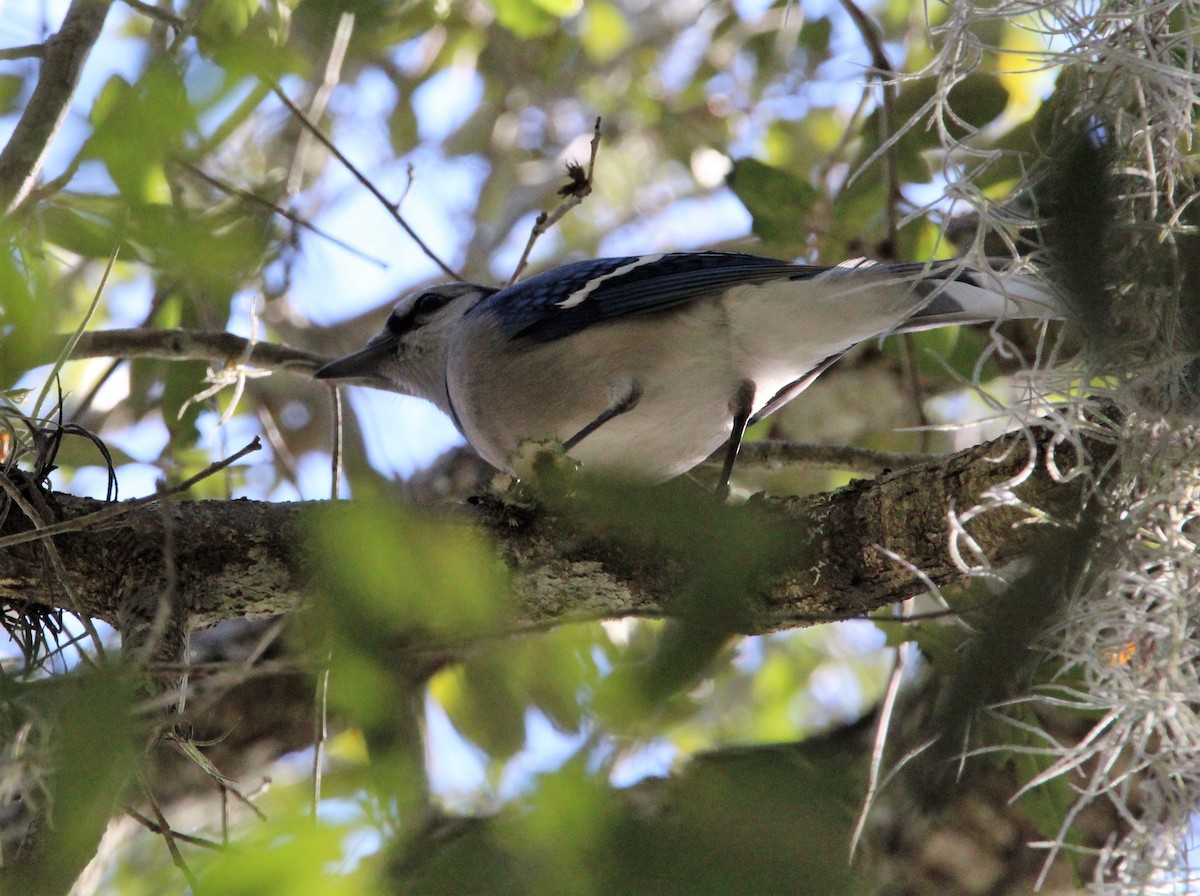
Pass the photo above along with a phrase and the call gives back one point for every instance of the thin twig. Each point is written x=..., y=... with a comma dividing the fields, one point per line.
x=886, y=708
x=193, y=345
x=300, y=222
x=108, y=514
x=774, y=454
x=246, y=801
x=28, y=51
x=575, y=192
x=912, y=385
x=391, y=207
x=333, y=70
x=871, y=36
x=154, y=828
x=156, y=12
x=320, y=736
x=335, y=459
x=168, y=835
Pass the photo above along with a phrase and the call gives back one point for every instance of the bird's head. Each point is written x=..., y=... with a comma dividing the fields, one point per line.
x=409, y=354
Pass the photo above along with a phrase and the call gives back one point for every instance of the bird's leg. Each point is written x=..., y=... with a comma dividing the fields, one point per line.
x=625, y=402
x=741, y=406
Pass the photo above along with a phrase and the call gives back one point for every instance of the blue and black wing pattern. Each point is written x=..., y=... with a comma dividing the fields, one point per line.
x=571, y=298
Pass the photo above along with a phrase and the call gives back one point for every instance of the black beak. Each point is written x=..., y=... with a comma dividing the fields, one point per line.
x=363, y=367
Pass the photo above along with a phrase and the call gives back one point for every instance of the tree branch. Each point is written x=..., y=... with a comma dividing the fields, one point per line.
x=66, y=52
x=193, y=345
x=250, y=558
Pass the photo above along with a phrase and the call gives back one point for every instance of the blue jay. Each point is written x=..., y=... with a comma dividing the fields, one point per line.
x=646, y=365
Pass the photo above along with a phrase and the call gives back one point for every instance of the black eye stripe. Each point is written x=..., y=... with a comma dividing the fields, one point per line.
x=397, y=323
x=429, y=301
x=400, y=322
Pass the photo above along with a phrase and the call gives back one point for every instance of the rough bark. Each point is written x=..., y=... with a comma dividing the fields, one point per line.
x=243, y=558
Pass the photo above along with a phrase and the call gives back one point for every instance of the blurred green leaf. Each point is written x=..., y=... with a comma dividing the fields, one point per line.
x=728, y=824
x=605, y=31
x=290, y=855
x=388, y=577
x=978, y=99
x=480, y=700
x=157, y=110
x=11, y=87
x=401, y=572
x=1049, y=803
x=91, y=749
x=815, y=34
x=560, y=8
x=533, y=18
x=778, y=202
x=947, y=355
x=258, y=54
x=26, y=322
x=226, y=17
x=488, y=695
x=83, y=224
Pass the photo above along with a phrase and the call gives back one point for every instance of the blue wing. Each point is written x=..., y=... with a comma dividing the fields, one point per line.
x=570, y=298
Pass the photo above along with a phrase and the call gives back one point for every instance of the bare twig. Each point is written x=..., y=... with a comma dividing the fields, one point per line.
x=154, y=828
x=62, y=62
x=111, y=513
x=333, y=70
x=773, y=454
x=912, y=387
x=320, y=735
x=300, y=222
x=886, y=708
x=579, y=188
x=168, y=835
x=193, y=345
x=156, y=12
x=335, y=455
x=245, y=800
x=869, y=30
x=391, y=207
x=28, y=51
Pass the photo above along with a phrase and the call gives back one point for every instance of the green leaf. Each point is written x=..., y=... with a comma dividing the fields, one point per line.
x=977, y=99
x=10, y=93
x=488, y=695
x=815, y=34
x=83, y=224
x=139, y=129
x=481, y=701
x=226, y=17
x=388, y=577
x=397, y=571
x=290, y=855
x=523, y=18
x=560, y=8
x=778, y=201
x=90, y=746
x=605, y=32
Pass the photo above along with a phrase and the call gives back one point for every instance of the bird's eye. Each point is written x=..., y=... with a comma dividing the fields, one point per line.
x=404, y=318
x=429, y=302
x=397, y=323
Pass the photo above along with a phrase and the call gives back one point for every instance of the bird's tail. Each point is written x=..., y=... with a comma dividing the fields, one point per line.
x=954, y=292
